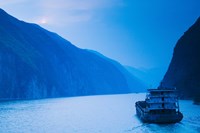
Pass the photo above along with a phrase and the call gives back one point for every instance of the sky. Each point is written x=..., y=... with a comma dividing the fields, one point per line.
x=137, y=33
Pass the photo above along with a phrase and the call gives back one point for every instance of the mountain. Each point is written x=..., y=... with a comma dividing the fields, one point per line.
x=36, y=63
x=184, y=69
x=134, y=83
x=150, y=77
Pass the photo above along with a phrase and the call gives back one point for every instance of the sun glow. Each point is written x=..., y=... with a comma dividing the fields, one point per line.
x=43, y=21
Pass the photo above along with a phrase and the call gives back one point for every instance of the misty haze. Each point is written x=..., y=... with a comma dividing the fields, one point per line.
x=108, y=66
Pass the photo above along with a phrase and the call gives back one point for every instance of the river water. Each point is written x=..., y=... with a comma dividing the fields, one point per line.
x=92, y=114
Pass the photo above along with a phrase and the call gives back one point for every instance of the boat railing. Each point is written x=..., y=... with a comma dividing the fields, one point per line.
x=160, y=107
x=161, y=95
x=162, y=101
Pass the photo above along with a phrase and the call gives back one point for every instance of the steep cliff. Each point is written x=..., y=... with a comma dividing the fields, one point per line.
x=184, y=69
x=36, y=63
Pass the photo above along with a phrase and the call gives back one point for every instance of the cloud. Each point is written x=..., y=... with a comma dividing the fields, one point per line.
x=10, y=2
x=78, y=4
x=58, y=20
x=73, y=11
x=57, y=12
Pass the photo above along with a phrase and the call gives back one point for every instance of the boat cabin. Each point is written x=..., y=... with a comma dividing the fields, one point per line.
x=161, y=100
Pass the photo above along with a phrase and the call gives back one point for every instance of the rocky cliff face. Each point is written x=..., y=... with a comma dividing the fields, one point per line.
x=36, y=63
x=184, y=69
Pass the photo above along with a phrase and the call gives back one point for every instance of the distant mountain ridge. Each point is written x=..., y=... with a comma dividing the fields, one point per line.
x=133, y=81
x=36, y=63
x=150, y=77
x=184, y=69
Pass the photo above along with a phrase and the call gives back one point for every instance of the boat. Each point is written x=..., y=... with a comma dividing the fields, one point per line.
x=160, y=106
